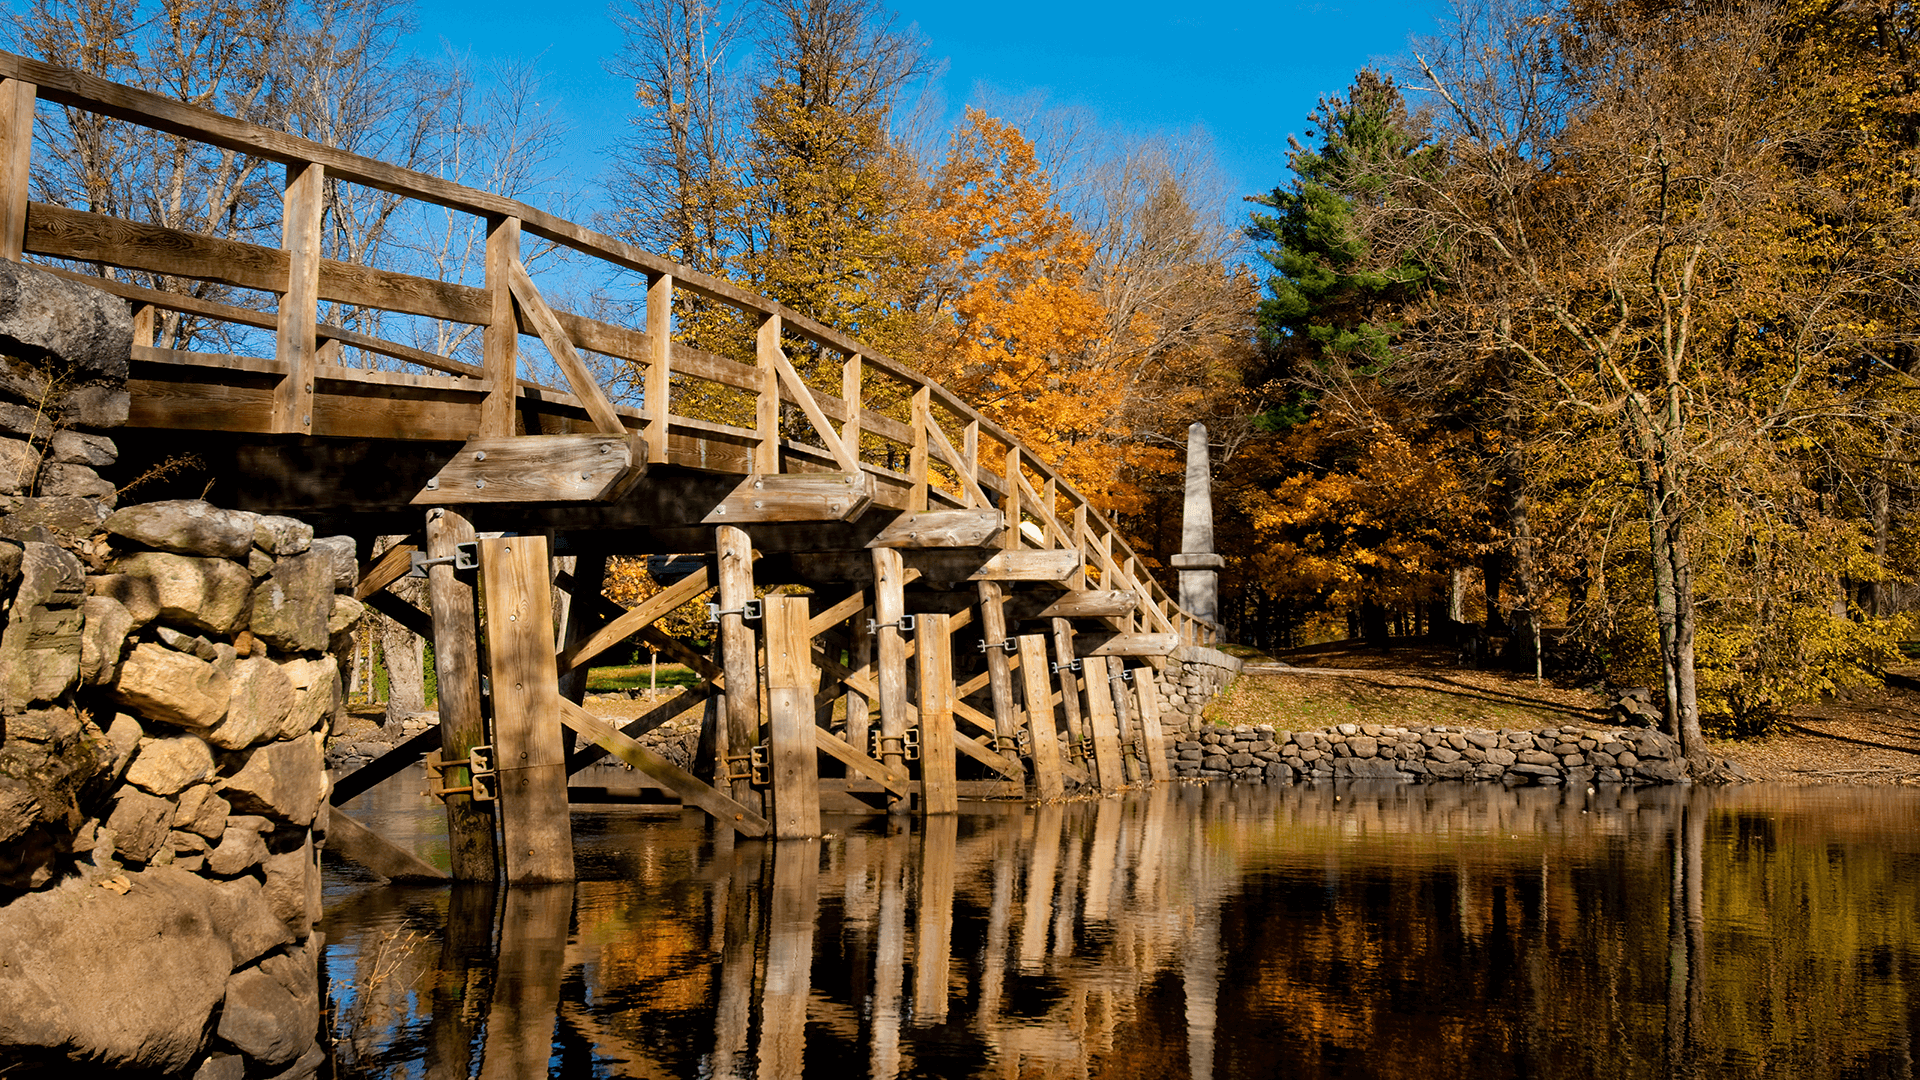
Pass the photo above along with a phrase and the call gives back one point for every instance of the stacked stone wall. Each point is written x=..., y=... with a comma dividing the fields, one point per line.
x=167, y=679
x=1194, y=675
x=1423, y=754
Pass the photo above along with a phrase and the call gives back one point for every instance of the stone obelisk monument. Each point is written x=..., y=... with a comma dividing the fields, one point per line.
x=1198, y=565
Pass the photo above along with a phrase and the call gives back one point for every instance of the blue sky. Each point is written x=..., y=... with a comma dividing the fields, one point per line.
x=1247, y=73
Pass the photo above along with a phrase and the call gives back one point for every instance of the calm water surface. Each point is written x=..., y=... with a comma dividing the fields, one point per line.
x=1348, y=930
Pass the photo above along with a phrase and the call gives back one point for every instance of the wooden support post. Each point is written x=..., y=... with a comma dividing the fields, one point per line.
x=1040, y=726
x=889, y=607
x=1006, y=716
x=1153, y=743
x=1069, y=682
x=577, y=620
x=16, y=164
x=933, y=941
x=456, y=665
x=739, y=661
x=532, y=761
x=933, y=658
x=766, y=453
x=860, y=659
x=1122, y=696
x=500, y=339
x=1100, y=724
x=794, y=760
x=660, y=365
x=296, y=346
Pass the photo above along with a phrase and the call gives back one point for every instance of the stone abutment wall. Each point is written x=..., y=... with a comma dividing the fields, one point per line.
x=166, y=683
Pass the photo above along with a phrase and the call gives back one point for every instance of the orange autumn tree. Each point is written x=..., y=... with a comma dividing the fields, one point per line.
x=1015, y=328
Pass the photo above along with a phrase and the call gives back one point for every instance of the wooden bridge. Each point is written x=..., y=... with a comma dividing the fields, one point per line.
x=906, y=525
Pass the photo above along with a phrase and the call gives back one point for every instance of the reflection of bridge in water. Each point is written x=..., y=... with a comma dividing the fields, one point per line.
x=966, y=624
x=1369, y=929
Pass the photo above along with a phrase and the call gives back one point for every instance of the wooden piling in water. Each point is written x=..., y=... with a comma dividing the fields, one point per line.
x=933, y=647
x=793, y=760
x=1042, y=734
x=739, y=662
x=536, y=834
x=889, y=606
x=456, y=662
x=1101, y=724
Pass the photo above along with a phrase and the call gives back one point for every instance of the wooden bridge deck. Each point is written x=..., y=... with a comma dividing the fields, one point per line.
x=915, y=523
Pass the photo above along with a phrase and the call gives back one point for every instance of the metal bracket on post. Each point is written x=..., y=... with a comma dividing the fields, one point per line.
x=1123, y=675
x=479, y=766
x=905, y=624
x=1018, y=742
x=761, y=762
x=732, y=760
x=910, y=744
x=1007, y=646
x=751, y=611
x=1074, y=666
x=466, y=556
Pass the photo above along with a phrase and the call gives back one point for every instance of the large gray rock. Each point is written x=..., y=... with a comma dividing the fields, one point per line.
x=291, y=607
x=316, y=686
x=48, y=318
x=206, y=594
x=79, y=448
x=40, y=650
x=113, y=981
x=240, y=849
x=282, y=781
x=272, y=1010
x=257, y=706
x=186, y=527
x=161, y=684
x=278, y=535
x=103, y=639
x=344, y=555
x=72, y=481
x=168, y=766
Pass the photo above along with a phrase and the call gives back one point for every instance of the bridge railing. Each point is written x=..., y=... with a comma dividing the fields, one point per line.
x=884, y=415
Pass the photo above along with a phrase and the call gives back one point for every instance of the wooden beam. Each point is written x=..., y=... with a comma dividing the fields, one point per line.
x=1069, y=682
x=836, y=614
x=400, y=611
x=889, y=607
x=852, y=393
x=774, y=497
x=1102, y=725
x=738, y=656
x=680, y=706
x=802, y=395
x=350, y=840
x=532, y=468
x=16, y=164
x=1042, y=736
x=1077, y=604
x=993, y=627
x=456, y=665
x=970, y=492
x=942, y=529
x=727, y=811
x=658, y=401
x=942, y=564
x=1116, y=643
x=536, y=832
x=792, y=756
x=385, y=767
x=646, y=613
x=934, y=661
x=500, y=340
x=303, y=205
x=840, y=749
x=392, y=565
x=766, y=402
x=585, y=387
x=1153, y=743
x=917, y=453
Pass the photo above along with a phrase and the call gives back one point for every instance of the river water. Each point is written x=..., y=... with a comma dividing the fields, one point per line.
x=1449, y=930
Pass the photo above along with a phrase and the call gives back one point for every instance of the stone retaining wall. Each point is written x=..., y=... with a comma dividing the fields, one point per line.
x=166, y=681
x=1194, y=675
x=1422, y=754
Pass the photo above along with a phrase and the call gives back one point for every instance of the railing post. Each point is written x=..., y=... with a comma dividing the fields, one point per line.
x=766, y=455
x=917, y=463
x=1010, y=502
x=852, y=393
x=16, y=164
x=499, y=365
x=297, y=345
x=660, y=338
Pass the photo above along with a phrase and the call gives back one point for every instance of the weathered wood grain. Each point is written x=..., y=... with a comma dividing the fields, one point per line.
x=531, y=468
x=774, y=497
x=722, y=808
x=1042, y=734
x=792, y=756
x=456, y=664
x=536, y=832
x=942, y=529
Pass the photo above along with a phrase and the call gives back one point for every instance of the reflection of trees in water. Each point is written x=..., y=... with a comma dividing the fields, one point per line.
x=1203, y=932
